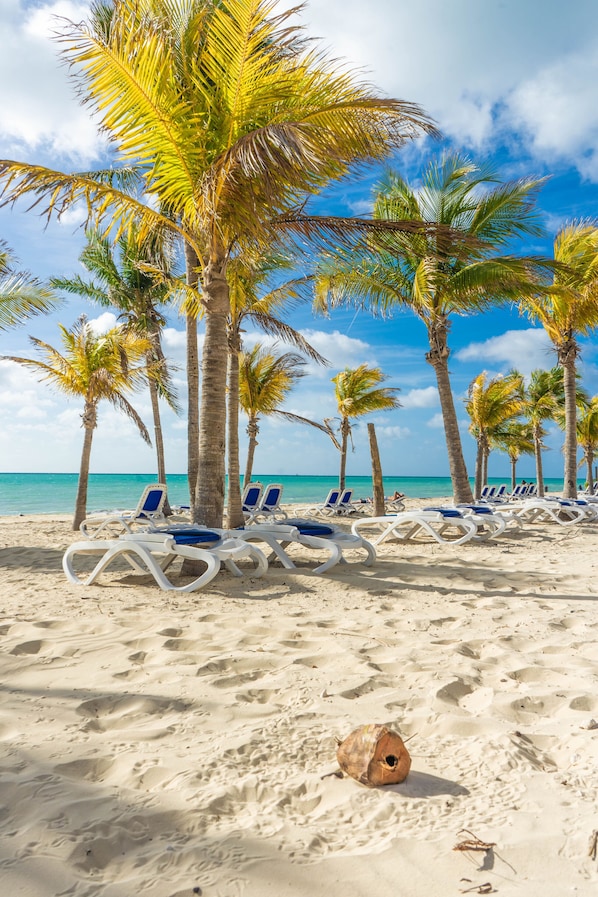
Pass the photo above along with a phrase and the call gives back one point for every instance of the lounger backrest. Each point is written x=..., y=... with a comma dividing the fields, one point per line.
x=251, y=496
x=332, y=498
x=501, y=491
x=151, y=501
x=346, y=497
x=272, y=496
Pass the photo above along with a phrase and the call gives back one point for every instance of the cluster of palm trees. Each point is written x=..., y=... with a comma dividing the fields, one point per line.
x=223, y=119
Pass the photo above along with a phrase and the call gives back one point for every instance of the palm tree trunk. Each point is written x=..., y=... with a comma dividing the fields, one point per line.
x=234, y=511
x=513, y=473
x=485, y=463
x=89, y=418
x=590, y=463
x=212, y=417
x=479, y=469
x=345, y=429
x=158, y=438
x=567, y=355
x=438, y=357
x=252, y=431
x=192, y=263
x=538, y=456
x=377, y=481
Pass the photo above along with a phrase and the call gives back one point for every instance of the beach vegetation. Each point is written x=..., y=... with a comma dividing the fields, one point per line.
x=567, y=310
x=491, y=405
x=21, y=295
x=221, y=116
x=453, y=267
x=137, y=278
x=358, y=392
x=95, y=367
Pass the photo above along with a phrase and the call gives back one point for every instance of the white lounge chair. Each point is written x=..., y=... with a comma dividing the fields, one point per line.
x=251, y=499
x=155, y=552
x=149, y=508
x=565, y=512
x=269, y=506
x=280, y=535
x=326, y=509
x=446, y=525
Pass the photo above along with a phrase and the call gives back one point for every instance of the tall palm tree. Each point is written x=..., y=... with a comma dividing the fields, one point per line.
x=358, y=392
x=491, y=405
x=95, y=367
x=254, y=299
x=587, y=437
x=438, y=273
x=21, y=295
x=265, y=381
x=135, y=277
x=516, y=439
x=544, y=400
x=567, y=311
x=222, y=116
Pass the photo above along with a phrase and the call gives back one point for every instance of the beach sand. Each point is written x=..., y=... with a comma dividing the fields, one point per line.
x=177, y=744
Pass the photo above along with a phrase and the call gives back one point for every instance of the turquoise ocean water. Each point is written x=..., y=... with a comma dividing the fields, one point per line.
x=54, y=493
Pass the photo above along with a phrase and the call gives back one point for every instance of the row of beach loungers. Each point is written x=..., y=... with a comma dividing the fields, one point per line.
x=150, y=542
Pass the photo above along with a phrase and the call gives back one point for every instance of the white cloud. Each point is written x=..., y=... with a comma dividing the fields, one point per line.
x=420, y=398
x=524, y=350
x=39, y=108
x=103, y=323
x=436, y=422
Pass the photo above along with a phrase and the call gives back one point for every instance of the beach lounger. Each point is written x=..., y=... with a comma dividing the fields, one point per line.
x=251, y=499
x=565, y=512
x=489, y=521
x=446, y=525
x=149, y=508
x=280, y=535
x=154, y=553
x=269, y=506
x=345, y=503
x=326, y=509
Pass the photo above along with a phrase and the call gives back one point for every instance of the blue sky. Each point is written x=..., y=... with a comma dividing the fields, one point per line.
x=511, y=81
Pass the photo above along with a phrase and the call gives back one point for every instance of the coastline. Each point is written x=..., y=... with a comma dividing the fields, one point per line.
x=165, y=743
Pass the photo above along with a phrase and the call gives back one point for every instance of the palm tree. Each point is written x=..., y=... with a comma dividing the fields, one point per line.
x=135, y=278
x=21, y=295
x=438, y=273
x=544, y=399
x=491, y=405
x=516, y=439
x=95, y=367
x=265, y=380
x=222, y=116
x=357, y=392
x=252, y=298
x=587, y=437
x=566, y=311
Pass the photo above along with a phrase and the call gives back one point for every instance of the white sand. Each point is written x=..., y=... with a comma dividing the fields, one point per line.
x=156, y=743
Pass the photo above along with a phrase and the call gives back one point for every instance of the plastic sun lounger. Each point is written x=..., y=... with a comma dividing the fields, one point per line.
x=251, y=500
x=565, y=512
x=155, y=552
x=326, y=509
x=269, y=506
x=489, y=521
x=149, y=508
x=279, y=535
x=405, y=525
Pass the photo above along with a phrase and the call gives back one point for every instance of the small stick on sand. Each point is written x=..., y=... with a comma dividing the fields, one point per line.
x=473, y=843
x=593, y=851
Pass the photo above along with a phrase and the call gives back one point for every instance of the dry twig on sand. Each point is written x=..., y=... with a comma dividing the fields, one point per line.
x=473, y=843
x=593, y=849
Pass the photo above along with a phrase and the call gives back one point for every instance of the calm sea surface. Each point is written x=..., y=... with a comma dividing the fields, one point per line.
x=54, y=493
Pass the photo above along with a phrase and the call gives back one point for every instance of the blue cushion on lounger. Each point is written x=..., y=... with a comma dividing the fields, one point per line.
x=193, y=537
x=309, y=528
x=446, y=512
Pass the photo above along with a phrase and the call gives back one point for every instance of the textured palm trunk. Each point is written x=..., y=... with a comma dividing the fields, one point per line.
x=485, y=464
x=538, y=456
x=345, y=430
x=192, y=263
x=567, y=356
x=590, y=464
x=90, y=420
x=158, y=437
x=212, y=417
x=234, y=511
x=377, y=481
x=252, y=431
x=438, y=357
x=513, y=473
x=479, y=469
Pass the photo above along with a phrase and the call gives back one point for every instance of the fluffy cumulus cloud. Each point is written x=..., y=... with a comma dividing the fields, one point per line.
x=39, y=109
x=524, y=350
x=420, y=398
